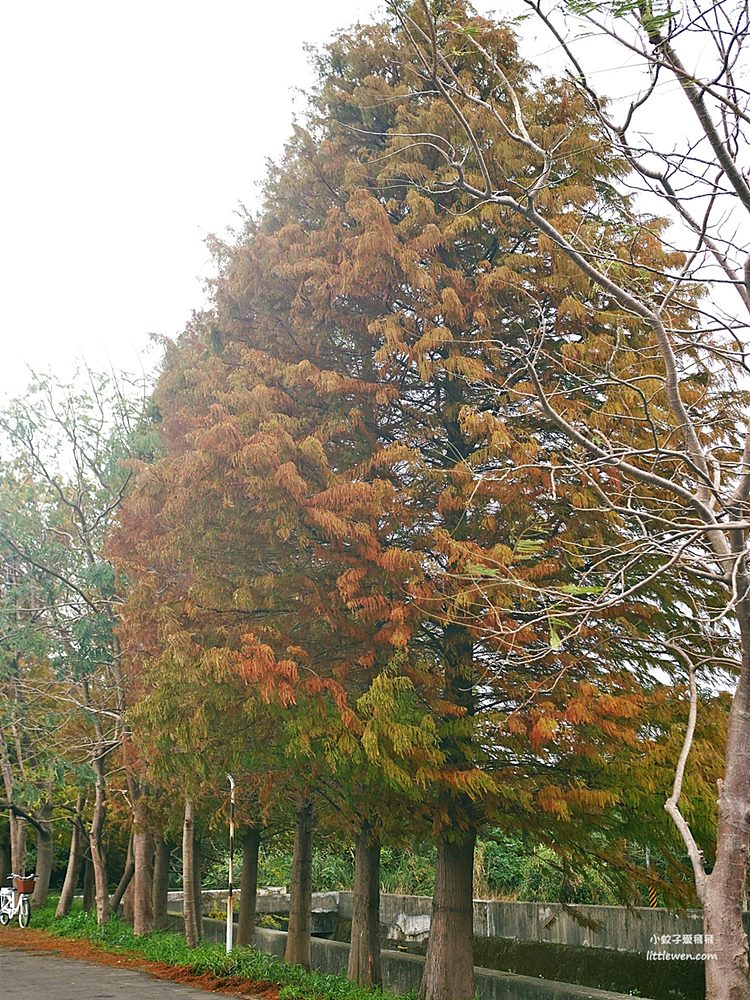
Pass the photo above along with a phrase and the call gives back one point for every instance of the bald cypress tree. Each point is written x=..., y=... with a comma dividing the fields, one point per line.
x=344, y=433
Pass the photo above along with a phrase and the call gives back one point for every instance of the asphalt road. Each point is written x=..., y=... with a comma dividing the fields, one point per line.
x=42, y=975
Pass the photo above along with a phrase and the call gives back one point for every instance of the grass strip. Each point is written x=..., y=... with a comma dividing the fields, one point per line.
x=166, y=946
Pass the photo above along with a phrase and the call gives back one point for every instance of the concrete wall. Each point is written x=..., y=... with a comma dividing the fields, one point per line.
x=403, y=973
x=614, y=927
x=267, y=902
x=279, y=902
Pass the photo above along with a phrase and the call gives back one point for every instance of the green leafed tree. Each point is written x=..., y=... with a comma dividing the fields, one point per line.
x=61, y=483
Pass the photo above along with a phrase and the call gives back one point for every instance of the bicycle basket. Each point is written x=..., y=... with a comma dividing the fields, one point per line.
x=24, y=885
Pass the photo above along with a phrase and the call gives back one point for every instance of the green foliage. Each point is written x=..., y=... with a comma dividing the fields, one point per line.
x=652, y=15
x=411, y=871
x=505, y=866
x=62, y=477
x=332, y=870
x=275, y=866
x=509, y=867
x=164, y=946
x=499, y=866
x=544, y=880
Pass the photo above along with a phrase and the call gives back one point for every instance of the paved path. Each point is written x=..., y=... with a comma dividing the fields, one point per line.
x=42, y=975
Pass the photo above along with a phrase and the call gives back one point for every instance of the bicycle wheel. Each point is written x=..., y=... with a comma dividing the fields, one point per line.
x=4, y=917
x=24, y=914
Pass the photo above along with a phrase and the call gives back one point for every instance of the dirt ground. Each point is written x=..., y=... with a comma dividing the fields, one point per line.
x=35, y=941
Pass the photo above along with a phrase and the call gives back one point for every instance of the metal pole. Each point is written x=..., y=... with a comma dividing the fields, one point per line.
x=230, y=897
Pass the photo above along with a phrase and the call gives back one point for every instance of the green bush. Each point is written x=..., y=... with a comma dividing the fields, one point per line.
x=410, y=872
x=499, y=866
x=541, y=877
x=542, y=882
x=333, y=870
x=506, y=866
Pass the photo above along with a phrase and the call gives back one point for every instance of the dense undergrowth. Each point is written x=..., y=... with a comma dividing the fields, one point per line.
x=506, y=867
x=165, y=946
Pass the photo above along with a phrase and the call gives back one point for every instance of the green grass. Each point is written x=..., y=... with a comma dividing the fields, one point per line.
x=166, y=946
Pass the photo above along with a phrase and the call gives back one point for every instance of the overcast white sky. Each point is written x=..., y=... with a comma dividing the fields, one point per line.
x=130, y=131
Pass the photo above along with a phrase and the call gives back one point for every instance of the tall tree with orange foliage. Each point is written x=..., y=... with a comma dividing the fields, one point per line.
x=343, y=437
x=366, y=266
x=661, y=334
x=238, y=535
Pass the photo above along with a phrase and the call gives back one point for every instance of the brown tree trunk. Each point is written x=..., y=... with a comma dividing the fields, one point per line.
x=5, y=868
x=248, y=886
x=364, y=954
x=300, y=908
x=16, y=824
x=75, y=858
x=43, y=856
x=89, y=898
x=128, y=902
x=198, y=880
x=449, y=963
x=101, y=888
x=125, y=879
x=160, y=888
x=727, y=974
x=188, y=876
x=18, y=834
x=143, y=855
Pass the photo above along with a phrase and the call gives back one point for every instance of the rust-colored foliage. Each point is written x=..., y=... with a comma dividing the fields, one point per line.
x=352, y=491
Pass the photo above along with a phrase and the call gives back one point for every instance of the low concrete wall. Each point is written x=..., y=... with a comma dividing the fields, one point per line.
x=616, y=928
x=279, y=902
x=402, y=973
x=266, y=902
x=612, y=927
x=325, y=907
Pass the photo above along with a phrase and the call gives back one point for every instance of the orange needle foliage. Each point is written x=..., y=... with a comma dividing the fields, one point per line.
x=355, y=503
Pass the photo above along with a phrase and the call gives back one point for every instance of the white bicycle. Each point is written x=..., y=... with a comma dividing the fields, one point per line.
x=15, y=902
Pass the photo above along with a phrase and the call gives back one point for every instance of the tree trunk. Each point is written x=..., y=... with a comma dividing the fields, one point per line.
x=127, y=874
x=43, y=856
x=300, y=908
x=160, y=888
x=16, y=824
x=89, y=898
x=101, y=887
x=18, y=833
x=727, y=974
x=5, y=868
x=449, y=963
x=188, y=876
x=128, y=900
x=364, y=954
x=198, y=880
x=143, y=855
x=75, y=857
x=248, y=887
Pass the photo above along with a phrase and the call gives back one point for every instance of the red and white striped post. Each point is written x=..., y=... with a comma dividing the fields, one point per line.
x=230, y=897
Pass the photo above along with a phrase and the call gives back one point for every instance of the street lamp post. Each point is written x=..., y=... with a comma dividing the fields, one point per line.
x=230, y=897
